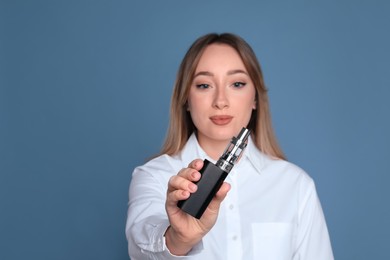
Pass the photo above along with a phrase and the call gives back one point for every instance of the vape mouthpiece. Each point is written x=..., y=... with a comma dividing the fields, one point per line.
x=233, y=151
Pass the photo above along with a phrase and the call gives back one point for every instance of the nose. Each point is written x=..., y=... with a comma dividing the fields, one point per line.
x=221, y=100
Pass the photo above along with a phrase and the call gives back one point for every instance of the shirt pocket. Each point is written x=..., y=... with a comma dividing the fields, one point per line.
x=272, y=241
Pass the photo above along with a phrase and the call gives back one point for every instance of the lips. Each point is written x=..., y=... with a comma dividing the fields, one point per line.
x=221, y=119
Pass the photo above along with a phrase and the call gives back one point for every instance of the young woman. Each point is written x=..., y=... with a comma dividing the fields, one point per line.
x=270, y=207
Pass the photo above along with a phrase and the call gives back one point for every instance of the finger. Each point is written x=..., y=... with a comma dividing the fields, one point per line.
x=196, y=164
x=174, y=196
x=223, y=191
x=181, y=183
x=190, y=174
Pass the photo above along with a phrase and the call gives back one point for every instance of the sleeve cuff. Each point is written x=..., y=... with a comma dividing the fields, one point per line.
x=194, y=251
x=154, y=244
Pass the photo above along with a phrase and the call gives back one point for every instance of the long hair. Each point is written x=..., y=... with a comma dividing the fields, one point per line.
x=181, y=126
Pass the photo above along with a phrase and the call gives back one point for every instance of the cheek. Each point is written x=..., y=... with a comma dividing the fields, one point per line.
x=247, y=106
x=250, y=100
x=194, y=108
x=195, y=113
x=196, y=103
x=254, y=99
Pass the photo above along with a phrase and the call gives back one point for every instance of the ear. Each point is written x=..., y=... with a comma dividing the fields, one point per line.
x=254, y=106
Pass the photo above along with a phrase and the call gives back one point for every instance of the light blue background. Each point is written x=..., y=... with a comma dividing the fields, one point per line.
x=85, y=93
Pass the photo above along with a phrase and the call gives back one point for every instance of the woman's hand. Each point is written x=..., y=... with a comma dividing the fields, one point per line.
x=186, y=231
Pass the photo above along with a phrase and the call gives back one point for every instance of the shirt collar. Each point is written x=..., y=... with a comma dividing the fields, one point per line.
x=255, y=156
x=192, y=150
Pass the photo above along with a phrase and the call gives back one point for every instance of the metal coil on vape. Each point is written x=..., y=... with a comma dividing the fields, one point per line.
x=233, y=151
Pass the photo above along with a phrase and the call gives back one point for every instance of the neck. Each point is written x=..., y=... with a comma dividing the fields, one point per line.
x=214, y=149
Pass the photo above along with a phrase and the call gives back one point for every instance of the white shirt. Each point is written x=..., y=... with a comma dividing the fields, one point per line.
x=271, y=212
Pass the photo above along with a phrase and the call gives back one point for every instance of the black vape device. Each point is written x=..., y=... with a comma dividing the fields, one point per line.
x=213, y=175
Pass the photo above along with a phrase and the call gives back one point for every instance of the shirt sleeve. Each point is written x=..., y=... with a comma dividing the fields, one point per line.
x=313, y=240
x=147, y=220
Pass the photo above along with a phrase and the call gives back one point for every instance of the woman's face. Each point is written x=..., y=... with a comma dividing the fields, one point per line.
x=222, y=95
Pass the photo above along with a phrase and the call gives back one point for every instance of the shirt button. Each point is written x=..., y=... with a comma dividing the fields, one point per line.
x=234, y=237
x=231, y=206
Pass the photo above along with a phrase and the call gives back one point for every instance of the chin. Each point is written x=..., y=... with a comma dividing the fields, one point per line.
x=224, y=134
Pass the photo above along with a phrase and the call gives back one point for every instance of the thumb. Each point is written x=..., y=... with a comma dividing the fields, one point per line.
x=219, y=197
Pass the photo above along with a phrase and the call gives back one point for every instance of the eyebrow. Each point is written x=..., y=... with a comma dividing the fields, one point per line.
x=230, y=72
x=203, y=73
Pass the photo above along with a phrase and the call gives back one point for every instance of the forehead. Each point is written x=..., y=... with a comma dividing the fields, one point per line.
x=220, y=56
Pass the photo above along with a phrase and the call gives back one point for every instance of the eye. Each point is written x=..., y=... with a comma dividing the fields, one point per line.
x=202, y=86
x=239, y=84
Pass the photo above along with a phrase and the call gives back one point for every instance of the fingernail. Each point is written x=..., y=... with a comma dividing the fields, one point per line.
x=198, y=163
x=193, y=187
x=194, y=175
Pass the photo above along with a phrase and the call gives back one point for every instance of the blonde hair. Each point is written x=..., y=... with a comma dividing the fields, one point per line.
x=181, y=125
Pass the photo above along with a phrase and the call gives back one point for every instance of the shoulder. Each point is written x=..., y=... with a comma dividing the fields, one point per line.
x=289, y=179
x=168, y=165
x=278, y=170
x=292, y=173
x=286, y=168
x=163, y=164
x=274, y=167
x=153, y=175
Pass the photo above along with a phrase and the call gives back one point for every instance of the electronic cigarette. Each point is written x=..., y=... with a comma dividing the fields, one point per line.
x=213, y=175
